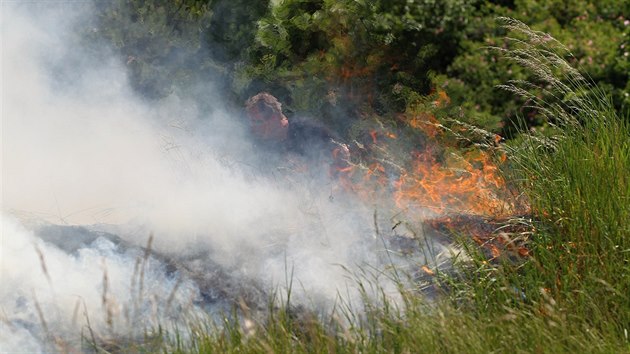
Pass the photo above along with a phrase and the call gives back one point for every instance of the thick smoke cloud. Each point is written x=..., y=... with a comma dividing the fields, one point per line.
x=49, y=294
x=79, y=148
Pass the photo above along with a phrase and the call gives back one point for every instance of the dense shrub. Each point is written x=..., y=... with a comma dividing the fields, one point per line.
x=344, y=61
x=596, y=32
x=182, y=44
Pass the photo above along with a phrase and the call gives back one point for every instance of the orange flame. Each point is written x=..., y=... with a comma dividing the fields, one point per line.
x=469, y=185
x=493, y=234
x=435, y=184
x=425, y=122
x=427, y=270
x=442, y=99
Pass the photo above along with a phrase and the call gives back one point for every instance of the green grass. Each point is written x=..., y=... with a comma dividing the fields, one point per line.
x=572, y=295
x=578, y=180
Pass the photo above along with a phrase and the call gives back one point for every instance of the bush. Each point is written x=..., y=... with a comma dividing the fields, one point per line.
x=339, y=60
x=596, y=32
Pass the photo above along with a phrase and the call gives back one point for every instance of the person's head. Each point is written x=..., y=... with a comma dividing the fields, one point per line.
x=265, y=117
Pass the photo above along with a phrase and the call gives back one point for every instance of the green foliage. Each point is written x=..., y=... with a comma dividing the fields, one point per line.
x=341, y=59
x=157, y=40
x=578, y=183
x=570, y=295
x=596, y=32
x=367, y=60
x=180, y=44
x=232, y=28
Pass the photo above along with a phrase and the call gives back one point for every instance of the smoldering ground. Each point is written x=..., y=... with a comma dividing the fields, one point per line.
x=80, y=148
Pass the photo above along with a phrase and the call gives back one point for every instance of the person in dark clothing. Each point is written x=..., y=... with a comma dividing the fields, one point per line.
x=299, y=139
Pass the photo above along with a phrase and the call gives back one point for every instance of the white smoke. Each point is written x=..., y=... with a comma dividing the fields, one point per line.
x=50, y=297
x=84, y=150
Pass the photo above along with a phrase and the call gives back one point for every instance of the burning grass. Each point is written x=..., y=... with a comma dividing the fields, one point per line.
x=569, y=295
x=567, y=290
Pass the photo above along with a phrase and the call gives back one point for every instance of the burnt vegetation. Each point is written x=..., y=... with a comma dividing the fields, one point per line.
x=534, y=173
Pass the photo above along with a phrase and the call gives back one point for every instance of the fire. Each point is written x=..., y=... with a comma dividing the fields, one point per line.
x=427, y=270
x=495, y=235
x=368, y=182
x=468, y=184
x=432, y=182
x=442, y=99
x=425, y=122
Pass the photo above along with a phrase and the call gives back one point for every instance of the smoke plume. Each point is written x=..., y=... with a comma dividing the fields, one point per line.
x=80, y=148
